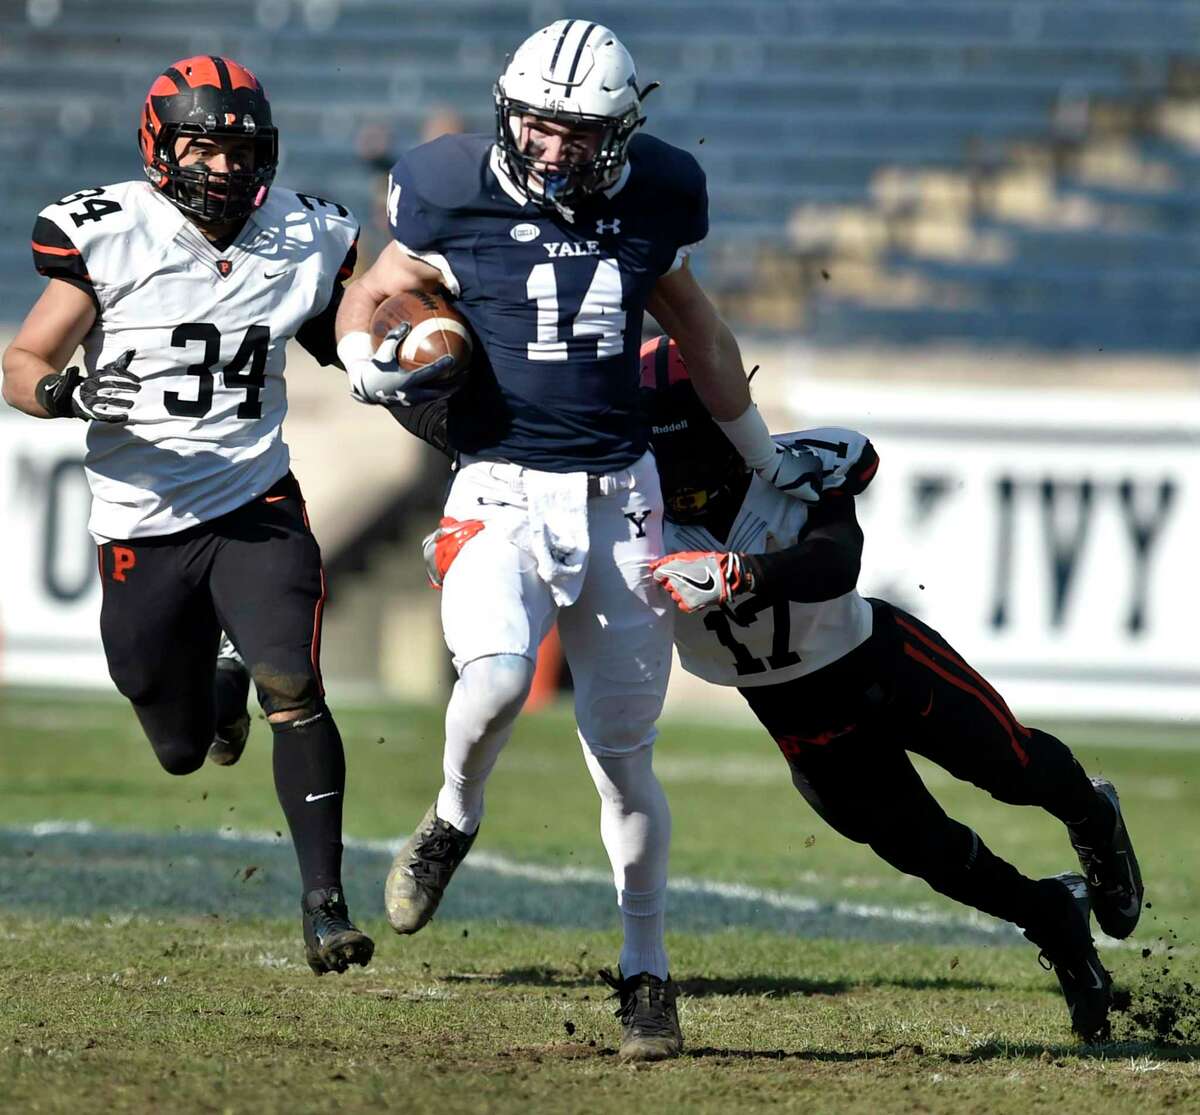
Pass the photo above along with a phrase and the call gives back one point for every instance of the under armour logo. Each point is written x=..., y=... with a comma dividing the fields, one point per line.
x=613, y=226
x=638, y=518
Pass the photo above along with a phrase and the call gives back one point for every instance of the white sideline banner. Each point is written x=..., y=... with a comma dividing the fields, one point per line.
x=49, y=583
x=1053, y=538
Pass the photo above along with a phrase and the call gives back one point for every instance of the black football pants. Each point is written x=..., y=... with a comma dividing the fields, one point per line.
x=846, y=730
x=254, y=572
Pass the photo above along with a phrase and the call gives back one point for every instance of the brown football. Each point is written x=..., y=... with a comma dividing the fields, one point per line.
x=437, y=329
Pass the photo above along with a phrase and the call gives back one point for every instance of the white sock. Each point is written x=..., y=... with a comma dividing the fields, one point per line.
x=635, y=825
x=483, y=707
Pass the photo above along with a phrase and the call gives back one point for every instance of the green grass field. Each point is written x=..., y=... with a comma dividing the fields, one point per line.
x=153, y=959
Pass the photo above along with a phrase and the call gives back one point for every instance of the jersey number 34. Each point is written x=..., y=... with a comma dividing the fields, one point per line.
x=247, y=369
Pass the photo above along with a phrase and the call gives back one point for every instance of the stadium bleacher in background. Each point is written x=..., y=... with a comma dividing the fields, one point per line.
x=907, y=171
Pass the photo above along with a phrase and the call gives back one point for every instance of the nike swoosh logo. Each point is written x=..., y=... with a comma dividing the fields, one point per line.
x=492, y=502
x=274, y=274
x=273, y=499
x=318, y=797
x=928, y=706
x=1098, y=983
x=703, y=586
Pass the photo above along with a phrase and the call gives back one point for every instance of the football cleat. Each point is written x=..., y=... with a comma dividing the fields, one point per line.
x=1114, y=880
x=649, y=1016
x=422, y=870
x=1065, y=941
x=331, y=941
x=232, y=688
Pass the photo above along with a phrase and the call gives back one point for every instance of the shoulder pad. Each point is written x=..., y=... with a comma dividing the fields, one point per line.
x=446, y=173
x=674, y=169
x=91, y=214
x=849, y=459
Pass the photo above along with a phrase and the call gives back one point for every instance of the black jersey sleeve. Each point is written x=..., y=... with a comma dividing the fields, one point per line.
x=317, y=335
x=56, y=257
x=823, y=564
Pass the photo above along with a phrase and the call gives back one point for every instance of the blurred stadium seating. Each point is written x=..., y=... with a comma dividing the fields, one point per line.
x=978, y=169
x=900, y=189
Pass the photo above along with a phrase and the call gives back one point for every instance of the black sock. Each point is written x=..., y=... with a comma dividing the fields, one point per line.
x=231, y=688
x=310, y=781
x=1066, y=792
x=957, y=863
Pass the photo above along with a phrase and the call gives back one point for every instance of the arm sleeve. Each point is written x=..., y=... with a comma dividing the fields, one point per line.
x=823, y=564
x=427, y=421
x=56, y=257
x=316, y=335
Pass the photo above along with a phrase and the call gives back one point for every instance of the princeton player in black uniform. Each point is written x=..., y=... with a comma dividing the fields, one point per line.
x=183, y=289
x=555, y=234
x=846, y=686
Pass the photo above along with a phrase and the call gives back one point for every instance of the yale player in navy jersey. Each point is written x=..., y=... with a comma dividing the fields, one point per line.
x=555, y=234
x=183, y=289
x=845, y=685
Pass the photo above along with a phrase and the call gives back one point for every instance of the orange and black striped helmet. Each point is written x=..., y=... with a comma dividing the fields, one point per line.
x=214, y=97
x=698, y=467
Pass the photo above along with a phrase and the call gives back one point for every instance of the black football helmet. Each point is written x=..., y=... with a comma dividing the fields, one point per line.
x=216, y=97
x=698, y=467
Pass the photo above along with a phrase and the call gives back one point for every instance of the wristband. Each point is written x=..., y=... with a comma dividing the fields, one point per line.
x=355, y=346
x=53, y=393
x=750, y=437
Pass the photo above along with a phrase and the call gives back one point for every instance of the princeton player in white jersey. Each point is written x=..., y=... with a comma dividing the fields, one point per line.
x=767, y=598
x=184, y=288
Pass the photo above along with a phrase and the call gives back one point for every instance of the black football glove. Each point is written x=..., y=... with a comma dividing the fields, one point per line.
x=104, y=396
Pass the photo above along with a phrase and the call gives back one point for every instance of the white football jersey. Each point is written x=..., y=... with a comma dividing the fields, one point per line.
x=751, y=642
x=209, y=328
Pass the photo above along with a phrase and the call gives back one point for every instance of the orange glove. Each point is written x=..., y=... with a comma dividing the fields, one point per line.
x=697, y=579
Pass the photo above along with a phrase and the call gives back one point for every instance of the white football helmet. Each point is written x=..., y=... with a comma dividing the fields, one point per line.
x=573, y=72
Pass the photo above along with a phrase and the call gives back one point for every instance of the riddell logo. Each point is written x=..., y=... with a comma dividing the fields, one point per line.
x=670, y=427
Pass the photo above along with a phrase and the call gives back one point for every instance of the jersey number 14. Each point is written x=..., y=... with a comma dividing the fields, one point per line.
x=599, y=314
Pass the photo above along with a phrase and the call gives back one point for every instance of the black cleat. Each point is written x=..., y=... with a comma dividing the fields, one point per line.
x=331, y=940
x=421, y=871
x=649, y=1017
x=1114, y=880
x=232, y=688
x=1065, y=940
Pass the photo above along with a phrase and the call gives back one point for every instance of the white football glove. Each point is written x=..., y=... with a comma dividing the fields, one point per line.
x=376, y=376
x=697, y=579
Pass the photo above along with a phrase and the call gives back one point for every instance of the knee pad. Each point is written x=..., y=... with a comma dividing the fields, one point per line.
x=284, y=692
x=491, y=692
x=180, y=755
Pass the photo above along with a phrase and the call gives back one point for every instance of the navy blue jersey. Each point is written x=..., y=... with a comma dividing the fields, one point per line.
x=557, y=305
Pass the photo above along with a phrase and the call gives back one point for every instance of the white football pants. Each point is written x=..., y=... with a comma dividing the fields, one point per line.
x=499, y=599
